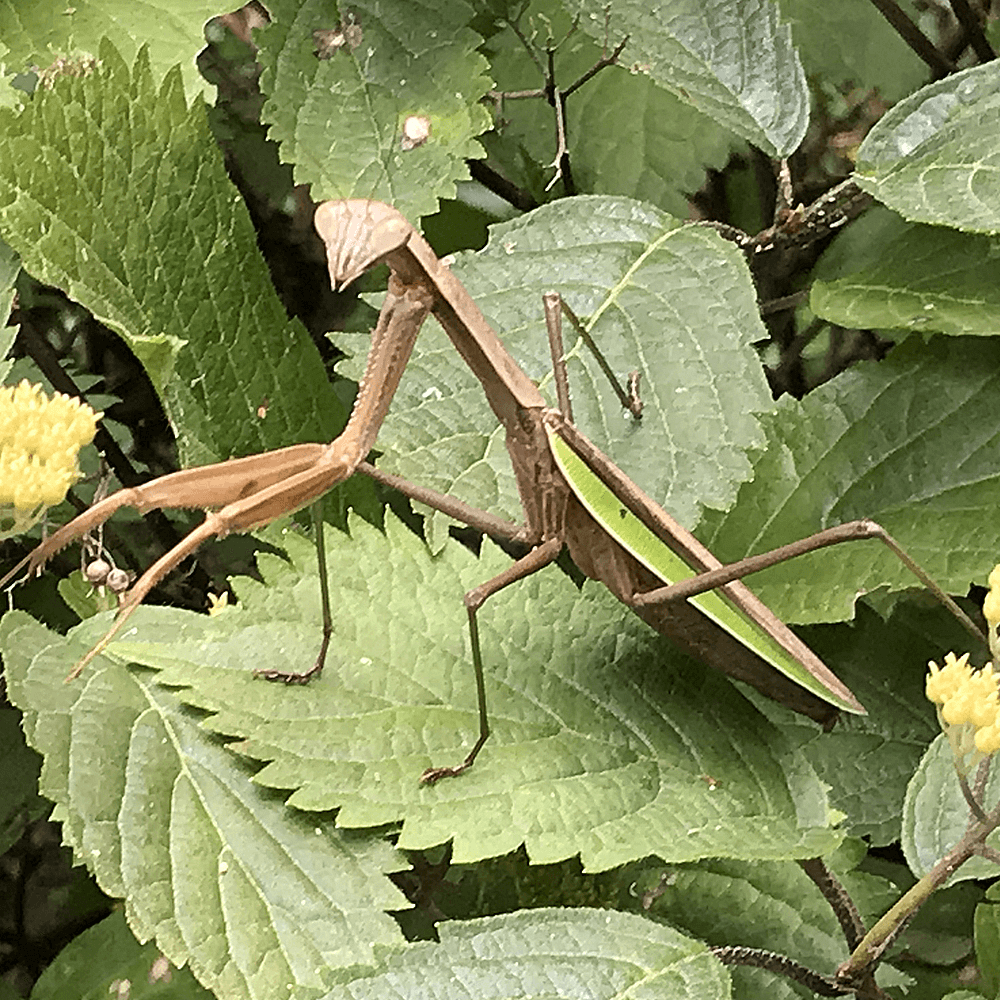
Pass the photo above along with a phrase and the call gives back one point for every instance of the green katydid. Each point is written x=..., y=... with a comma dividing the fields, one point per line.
x=573, y=496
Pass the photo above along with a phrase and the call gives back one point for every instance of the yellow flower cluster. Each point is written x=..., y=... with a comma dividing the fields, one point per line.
x=39, y=441
x=968, y=707
x=991, y=612
x=991, y=606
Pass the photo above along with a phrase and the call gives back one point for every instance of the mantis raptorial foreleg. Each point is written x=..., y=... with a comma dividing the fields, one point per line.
x=253, y=491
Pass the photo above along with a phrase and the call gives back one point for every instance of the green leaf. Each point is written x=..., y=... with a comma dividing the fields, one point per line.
x=339, y=114
x=733, y=61
x=850, y=42
x=112, y=189
x=40, y=32
x=936, y=815
x=217, y=870
x=790, y=916
x=940, y=931
x=658, y=152
x=674, y=302
x=547, y=953
x=107, y=961
x=868, y=762
x=987, y=931
x=885, y=272
x=906, y=441
x=932, y=157
x=600, y=731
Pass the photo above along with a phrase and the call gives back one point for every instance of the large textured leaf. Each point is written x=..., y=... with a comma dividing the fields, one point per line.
x=113, y=190
x=42, y=31
x=257, y=899
x=734, y=61
x=674, y=302
x=657, y=152
x=932, y=158
x=602, y=734
x=339, y=114
x=868, y=761
x=936, y=815
x=789, y=916
x=885, y=272
x=909, y=442
x=546, y=953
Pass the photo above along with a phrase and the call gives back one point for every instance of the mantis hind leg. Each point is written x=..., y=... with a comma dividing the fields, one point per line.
x=536, y=559
x=850, y=532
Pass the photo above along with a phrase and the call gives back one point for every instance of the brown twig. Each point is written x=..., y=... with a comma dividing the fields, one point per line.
x=481, y=171
x=758, y=958
x=973, y=30
x=597, y=67
x=555, y=96
x=839, y=899
x=914, y=37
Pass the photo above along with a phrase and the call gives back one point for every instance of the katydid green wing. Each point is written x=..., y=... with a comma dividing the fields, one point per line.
x=637, y=539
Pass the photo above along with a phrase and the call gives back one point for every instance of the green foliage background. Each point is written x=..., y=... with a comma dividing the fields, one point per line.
x=251, y=829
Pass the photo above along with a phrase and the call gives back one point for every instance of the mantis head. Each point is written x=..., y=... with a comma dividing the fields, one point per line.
x=358, y=233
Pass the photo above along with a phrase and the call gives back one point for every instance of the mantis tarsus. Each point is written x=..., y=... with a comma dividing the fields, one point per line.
x=573, y=496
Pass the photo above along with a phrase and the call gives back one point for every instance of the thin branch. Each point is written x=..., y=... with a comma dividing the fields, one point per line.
x=783, y=203
x=726, y=231
x=973, y=30
x=914, y=37
x=835, y=208
x=481, y=171
x=597, y=67
x=974, y=806
x=516, y=28
x=758, y=958
x=792, y=301
x=555, y=97
x=839, y=899
x=513, y=95
x=561, y=161
x=869, y=953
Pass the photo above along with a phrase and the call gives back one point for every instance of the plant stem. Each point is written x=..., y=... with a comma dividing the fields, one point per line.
x=867, y=955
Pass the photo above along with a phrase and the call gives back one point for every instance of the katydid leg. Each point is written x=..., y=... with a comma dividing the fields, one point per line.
x=852, y=531
x=536, y=559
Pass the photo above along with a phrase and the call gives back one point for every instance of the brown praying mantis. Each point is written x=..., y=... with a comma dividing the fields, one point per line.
x=573, y=496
